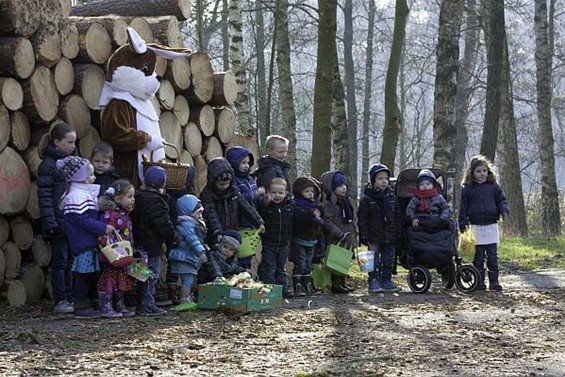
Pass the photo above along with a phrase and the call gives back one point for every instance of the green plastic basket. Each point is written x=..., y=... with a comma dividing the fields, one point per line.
x=250, y=242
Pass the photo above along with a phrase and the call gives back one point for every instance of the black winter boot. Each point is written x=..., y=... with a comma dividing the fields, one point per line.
x=493, y=284
x=298, y=288
x=338, y=285
x=309, y=285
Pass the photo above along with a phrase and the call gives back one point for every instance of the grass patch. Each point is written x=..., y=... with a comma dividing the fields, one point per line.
x=532, y=253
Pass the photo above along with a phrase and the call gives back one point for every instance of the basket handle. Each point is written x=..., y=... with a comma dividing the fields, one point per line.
x=169, y=145
x=116, y=234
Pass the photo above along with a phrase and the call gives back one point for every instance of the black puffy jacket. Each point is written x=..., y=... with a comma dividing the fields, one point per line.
x=373, y=228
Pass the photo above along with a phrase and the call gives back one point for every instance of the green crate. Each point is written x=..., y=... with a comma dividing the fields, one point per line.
x=239, y=299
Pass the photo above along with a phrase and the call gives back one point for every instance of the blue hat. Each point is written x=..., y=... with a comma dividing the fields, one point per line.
x=232, y=238
x=338, y=180
x=375, y=169
x=155, y=177
x=426, y=175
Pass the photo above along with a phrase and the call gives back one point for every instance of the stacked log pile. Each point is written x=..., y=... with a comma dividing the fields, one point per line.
x=52, y=68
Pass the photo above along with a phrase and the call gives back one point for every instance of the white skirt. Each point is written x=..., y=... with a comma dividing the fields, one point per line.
x=485, y=234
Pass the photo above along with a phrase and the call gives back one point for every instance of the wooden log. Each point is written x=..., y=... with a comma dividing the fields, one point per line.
x=17, y=57
x=142, y=27
x=41, y=98
x=202, y=85
x=66, y=8
x=172, y=132
x=21, y=132
x=186, y=158
x=22, y=232
x=69, y=40
x=225, y=89
x=203, y=117
x=114, y=25
x=41, y=251
x=193, y=139
x=20, y=17
x=166, y=95
x=181, y=109
x=32, y=160
x=5, y=127
x=212, y=148
x=14, y=182
x=248, y=142
x=156, y=105
x=33, y=279
x=13, y=260
x=89, y=80
x=95, y=45
x=154, y=8
x=32, y=205
x=2, y=267
x=201, y=173
x=166, y=30
x=4, y=230
x=225, y=124
x=178, y=74
x=87, y=143
x=74, y=110
x=47, y=47
x=14, y=292
x=11, y=93
x=161, y=66
x=64, y=76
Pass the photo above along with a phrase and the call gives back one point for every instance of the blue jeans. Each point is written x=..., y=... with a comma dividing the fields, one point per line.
x=384, y=261
x=187, y=280
x=488, y=253
x=273, y=261
x=302, y=258
x=146, y=290
x=61, y=276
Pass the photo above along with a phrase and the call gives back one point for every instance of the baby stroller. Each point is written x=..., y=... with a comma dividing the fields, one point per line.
x=432, y=243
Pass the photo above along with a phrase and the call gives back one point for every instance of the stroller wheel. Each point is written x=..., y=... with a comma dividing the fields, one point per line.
x=467, y=278
x=419, y=279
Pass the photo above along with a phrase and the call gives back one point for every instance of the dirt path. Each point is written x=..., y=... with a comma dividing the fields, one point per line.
x=519, y=332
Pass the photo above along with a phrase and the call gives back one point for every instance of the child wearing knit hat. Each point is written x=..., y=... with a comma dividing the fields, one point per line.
x=427, y=202
x=222, y=260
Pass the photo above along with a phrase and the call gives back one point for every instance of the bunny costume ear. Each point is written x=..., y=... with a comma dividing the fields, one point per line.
x=138, y=45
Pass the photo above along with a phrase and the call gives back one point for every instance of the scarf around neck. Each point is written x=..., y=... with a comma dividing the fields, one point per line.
x=304, y=203
x=345, y=210
x=424, y=196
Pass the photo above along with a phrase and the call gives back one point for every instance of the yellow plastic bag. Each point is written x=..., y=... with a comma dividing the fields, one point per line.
x=467, y=242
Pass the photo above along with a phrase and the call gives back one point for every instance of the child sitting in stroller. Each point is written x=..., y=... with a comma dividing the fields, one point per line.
x=427, y=202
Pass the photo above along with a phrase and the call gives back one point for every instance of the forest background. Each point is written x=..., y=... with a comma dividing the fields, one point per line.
x=406, y=83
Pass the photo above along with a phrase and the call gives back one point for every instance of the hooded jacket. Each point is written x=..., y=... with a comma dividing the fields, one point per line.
x=243, y=180
x=270, y=168
x=306, y=227
x=334, y=226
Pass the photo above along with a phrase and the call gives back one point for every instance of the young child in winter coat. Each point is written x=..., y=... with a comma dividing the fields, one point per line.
x=482, y=204
x=307, y=227
x=114, y=282
x=59, y=143
x=427, y=202
x=278, y=214
x=81, y=224
x=102, y=158
x=273, y=164
x=222, y=260
x=379, y=227
x=223, y=203
x=152, y=226
x=186, y=258
x=339, y=219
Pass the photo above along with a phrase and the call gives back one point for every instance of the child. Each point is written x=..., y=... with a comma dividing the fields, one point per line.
x=482, y=204
x=80, y=206
x=116, y=203
x=152, y=226
x=379, y=227
x=59, y=143
x=102, y=158
x=339, y=219
x=427, y=202
x=306, y=229
x=241, y=160
x=222, y=260
x=273, y=164
x=278, y=215
x=223, y=202
x=185, y=258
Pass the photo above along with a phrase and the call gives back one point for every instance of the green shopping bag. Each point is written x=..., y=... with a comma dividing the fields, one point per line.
x=322, y=276
x=338, y=258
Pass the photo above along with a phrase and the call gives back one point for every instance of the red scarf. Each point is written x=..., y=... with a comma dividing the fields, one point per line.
x=424, y=196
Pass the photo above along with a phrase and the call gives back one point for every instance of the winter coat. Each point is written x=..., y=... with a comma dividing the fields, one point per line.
x=185, y=257
x=218, y=266
x=279, y=220
x=270, y=168
x=119, y=219
x=373, y=228
x=334, y=223
x=151, y=222
x=243, y=181
x=438, y=208
x=81, y=224
x=106, y=179
x=51, y=186
x=482, y=204
x=306, y=226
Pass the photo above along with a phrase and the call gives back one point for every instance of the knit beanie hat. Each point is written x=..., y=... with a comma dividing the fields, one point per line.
x=338, y=180
x=426, y=175
x=74, y=168
x=231, y=238
x=375, y=169
x=155, y=177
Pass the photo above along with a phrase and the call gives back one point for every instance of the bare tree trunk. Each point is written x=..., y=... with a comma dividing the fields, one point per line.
x=286, y=91
x=551, y=221
x=261, y=81
x=323, y=88
x=340, y=141
x=225, y=36
x=508, y=154
x=368, y=95
x=239, y=70
x=349, y=81
x=393, y=121
x=199, y=12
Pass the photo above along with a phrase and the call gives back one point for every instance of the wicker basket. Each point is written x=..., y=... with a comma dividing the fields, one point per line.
x=176, y=171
